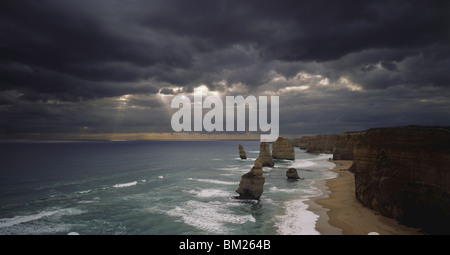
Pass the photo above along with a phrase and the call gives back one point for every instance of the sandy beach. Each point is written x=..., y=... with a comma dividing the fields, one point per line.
x=345, y=213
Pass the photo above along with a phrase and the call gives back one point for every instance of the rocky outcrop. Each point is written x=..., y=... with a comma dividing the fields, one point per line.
x=291, y=173
x=242, y=153
x=252, y=183
x=404, y=173
x=283, y=149
x=264, y=155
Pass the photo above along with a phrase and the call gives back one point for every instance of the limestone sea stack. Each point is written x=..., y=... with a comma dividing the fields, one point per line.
x=291, y=173
x=242, y=153
x=283, y=149
x=252, y=183
x=264, y=155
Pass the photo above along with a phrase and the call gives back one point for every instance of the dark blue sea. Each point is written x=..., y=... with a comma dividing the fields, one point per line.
x=151, y=187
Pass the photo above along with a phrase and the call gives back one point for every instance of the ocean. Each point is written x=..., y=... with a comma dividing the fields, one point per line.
x=151, y=188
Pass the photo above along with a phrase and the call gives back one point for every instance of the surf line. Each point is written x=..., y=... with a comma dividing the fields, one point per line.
x=181, y=119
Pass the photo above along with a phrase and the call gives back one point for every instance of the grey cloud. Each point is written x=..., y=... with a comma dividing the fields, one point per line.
x=65, y=63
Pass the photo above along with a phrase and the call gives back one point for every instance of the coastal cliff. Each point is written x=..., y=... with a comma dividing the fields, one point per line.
x=340, y=145
x=404, y=173
x=316, y=143
x=343, y=148
x=401, y=172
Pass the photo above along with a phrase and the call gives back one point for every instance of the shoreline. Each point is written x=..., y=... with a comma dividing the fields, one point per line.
x=341, y=213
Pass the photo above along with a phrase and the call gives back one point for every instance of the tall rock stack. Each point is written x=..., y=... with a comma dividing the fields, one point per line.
x=242, y=153
x=283, y=149
x=252, y=183
x=264, y=155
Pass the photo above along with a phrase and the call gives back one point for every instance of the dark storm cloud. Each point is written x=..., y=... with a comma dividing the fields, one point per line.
x=74, y=58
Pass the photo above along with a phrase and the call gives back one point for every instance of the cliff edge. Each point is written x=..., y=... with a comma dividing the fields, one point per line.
x=404, y=173
x=401, y=172
x=340, y=145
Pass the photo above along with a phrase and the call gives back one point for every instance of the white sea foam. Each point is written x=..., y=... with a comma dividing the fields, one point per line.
x=301, y=163
x=229, y=168
x=86, y=202
x=323, y=156
x=297, y=220
x=208, y=216
x=84, y=191
x=310, y=192
x=122, y=185
x=329, y=175
x=247, y=159
x=229, y=174
x=7, y=222
x=214, y=181
x=236, y=169
x=275, y=189
x=284, y=160
x=206, y=193
x=37, y=228
x=16, y=220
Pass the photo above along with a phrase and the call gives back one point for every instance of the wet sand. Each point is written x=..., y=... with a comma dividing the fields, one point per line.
x=345, y=213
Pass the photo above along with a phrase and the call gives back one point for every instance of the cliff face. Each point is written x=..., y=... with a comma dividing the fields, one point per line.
x=340, y=145
x=301, y=142
x=343, y=148
x=322, y=144
x=404, y=173
x=316, y=143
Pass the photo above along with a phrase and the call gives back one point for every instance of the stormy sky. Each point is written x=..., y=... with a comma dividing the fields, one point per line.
x=113, y=66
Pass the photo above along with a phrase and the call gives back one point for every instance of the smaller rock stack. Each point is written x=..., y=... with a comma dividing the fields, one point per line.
x=292, y=174
x=242, y=153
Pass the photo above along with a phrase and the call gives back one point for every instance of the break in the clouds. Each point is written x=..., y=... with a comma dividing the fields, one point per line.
x=112, y=66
